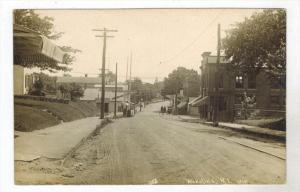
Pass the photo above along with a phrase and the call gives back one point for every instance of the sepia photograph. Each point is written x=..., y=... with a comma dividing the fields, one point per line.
x=149, y=96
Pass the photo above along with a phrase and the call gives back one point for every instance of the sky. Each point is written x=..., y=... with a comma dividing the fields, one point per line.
x=160, y=40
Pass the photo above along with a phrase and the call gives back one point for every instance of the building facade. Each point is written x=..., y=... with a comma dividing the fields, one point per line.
x=268, y=96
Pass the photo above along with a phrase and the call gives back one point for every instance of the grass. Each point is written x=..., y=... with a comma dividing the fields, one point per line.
x=32, y=114
x=29, y=119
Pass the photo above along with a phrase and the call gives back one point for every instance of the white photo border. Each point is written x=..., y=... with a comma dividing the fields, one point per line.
x=6, y=91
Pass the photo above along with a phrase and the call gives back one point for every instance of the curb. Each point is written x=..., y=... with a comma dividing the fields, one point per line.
x=281, y=138
x=93, y=133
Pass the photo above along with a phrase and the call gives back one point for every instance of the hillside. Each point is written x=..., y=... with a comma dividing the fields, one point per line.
x=32, y=114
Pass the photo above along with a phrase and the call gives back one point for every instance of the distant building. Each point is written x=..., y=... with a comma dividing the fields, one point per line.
x=92, y=91
x=269, y=97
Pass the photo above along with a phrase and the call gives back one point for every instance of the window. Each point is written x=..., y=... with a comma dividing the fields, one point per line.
x=278, y=83
x=275, y=84
x=120, y=109
x=252, y=81
x=239, y=81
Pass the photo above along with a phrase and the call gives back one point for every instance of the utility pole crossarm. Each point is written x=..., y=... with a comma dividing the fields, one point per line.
x=106, y=30
x=109, y=36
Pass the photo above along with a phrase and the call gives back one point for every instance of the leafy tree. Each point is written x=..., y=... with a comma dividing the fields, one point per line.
x=72, y=91
x=76, y=91
x=37, y=89
x=259, y=43
x=141, y=91
x=49, y=82
x=182, y=78
x=110, y=77
x=44, y=25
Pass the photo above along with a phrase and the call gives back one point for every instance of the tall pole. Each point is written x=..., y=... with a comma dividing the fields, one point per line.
x=103, y=67
x=127, y=69
x=103, y=77
x=216, y=110
x=130, y=64
x=127, y=76
x=116, y=80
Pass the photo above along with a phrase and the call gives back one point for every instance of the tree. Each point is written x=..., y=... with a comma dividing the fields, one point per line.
x=44, y=25
x=182, y=78
x=37, y=88
x=110, y=77
x=259, y=43
x=141, y=91
x=76, y=91
x=72, y=91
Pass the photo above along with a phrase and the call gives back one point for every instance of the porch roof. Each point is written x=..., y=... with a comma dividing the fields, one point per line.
x=30, y=47
x=199, y=101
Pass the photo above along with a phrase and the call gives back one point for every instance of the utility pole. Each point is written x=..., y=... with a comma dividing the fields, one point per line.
x=216, y=98
x=129, y=88
x=116, y=80
x=127, y=80
x=105, y=31
x=127, y=69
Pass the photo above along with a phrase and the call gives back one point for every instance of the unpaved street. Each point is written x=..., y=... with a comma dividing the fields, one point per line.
x=156, y=149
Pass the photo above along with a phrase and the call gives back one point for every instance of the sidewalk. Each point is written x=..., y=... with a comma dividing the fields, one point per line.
x=263, y=132
x=53, y=142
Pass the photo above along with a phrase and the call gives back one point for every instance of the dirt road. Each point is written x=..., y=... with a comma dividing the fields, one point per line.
x=153, y=149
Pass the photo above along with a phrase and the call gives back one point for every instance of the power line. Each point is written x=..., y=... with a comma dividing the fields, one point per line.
x=193, y=42
x=143, y=77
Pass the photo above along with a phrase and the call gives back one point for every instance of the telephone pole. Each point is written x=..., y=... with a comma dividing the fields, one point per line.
x=216, y=98
x=105, y=31
x=116, y=84
x=129, y=87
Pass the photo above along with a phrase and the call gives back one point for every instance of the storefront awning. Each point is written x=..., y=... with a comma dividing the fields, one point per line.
x=31, y=47
x=199, y=101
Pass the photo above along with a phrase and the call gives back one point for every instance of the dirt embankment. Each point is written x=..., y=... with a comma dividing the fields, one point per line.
x=32, y=115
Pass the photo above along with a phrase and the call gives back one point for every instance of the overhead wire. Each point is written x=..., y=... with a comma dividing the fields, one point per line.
x=194, y=41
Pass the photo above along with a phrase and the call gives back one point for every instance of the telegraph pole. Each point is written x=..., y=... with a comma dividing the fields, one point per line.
x=130, y=64
x=216, y=110
x=105, y=31
x=116, y=80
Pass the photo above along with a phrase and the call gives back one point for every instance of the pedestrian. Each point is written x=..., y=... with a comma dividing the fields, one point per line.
x=161, y=109
x=164, y=109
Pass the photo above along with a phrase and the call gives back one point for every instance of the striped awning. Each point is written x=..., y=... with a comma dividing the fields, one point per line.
x=31, y=47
